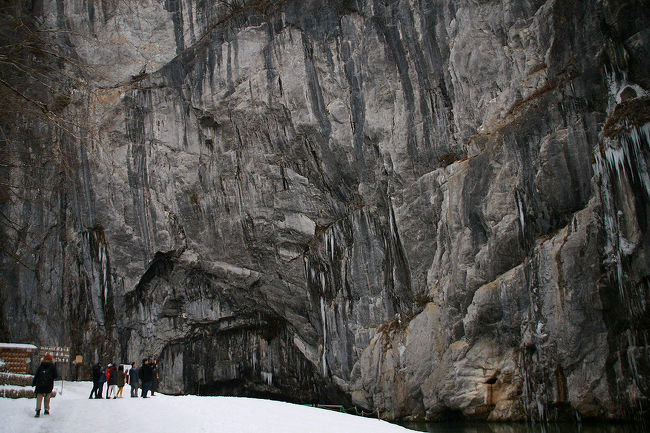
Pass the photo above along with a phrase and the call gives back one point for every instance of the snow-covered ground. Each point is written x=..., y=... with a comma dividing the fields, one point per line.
x=72, y=411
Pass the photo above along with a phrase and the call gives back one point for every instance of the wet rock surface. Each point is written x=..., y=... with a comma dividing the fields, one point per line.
x=425, y=209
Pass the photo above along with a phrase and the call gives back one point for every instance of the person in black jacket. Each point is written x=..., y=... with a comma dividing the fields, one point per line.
x=97, y=373
x=146, y=376
x=44, y=383
x=154, y=377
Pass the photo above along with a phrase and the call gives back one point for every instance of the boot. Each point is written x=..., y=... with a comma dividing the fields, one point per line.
x=38, y=413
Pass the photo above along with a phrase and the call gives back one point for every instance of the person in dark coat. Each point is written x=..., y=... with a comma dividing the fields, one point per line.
x=146, y=376
x=154, y=377
x=133, y=380
x=97, y=373
x=44, y=383
x=121, y=379
x=102, y=381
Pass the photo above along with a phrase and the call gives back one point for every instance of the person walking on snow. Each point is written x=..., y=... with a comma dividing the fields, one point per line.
x=146, y=376
x=111, y=377
x=102, y=381
x=44, y=383
x=154, y=377
x=97, y=373
x=120, y=381
x=133, y=380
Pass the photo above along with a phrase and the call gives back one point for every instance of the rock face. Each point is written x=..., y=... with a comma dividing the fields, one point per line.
x=422, y=208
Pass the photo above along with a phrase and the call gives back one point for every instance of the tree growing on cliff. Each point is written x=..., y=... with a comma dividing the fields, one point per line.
x=37, y=83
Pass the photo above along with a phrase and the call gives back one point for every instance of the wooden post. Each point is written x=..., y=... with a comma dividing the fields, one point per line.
x=62, y=378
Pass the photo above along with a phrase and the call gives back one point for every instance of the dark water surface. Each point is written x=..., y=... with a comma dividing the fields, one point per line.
x=460, y=427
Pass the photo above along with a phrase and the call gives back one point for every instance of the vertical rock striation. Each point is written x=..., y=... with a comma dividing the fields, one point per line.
x=423, y=208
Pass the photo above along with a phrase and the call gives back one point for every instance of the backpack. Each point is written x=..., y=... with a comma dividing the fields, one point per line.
x=43, y=379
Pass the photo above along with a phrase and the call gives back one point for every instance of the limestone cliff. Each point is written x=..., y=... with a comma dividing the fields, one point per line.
x=423, y=208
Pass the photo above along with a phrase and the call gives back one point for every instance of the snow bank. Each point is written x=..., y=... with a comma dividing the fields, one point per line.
x=17, y=346
x=72, y=411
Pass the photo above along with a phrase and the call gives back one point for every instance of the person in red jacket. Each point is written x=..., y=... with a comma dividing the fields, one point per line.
x=111, y=379
x=44, y=383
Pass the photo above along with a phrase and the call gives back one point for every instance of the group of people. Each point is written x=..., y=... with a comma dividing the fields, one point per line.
x=145, y=377
x=116, y=377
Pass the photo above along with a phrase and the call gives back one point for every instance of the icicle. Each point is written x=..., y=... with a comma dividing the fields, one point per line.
x=636, y=137
x=522, y=218
x=611, y=162
x=622, y=161
x=104, y=265
x=324, y=321
x=616, y=161
x=268, y=377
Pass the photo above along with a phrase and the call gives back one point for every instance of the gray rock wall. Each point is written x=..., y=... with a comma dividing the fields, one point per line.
x=426, y=209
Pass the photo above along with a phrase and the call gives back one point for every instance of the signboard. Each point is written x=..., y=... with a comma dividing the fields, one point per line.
x=59, y=353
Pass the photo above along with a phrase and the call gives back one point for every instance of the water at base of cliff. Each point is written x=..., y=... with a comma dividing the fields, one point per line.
x=466, y=427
